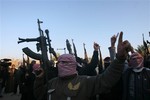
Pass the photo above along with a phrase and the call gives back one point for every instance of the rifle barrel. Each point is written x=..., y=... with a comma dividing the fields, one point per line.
x=27, y=40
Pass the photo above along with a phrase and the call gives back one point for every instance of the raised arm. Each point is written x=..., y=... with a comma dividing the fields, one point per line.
x=105, y=81
x=112, y=48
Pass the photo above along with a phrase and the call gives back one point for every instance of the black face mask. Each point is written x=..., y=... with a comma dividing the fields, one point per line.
x=106, y=65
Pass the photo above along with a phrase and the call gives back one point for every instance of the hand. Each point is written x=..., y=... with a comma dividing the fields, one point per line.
x=113, y=40
x=123, y=48
x=96, y=46
x=41, y=74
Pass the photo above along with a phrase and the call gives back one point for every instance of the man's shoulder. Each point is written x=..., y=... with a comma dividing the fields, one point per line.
x=148, y=69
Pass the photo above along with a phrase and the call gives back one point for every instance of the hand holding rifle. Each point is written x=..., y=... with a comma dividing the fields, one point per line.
x=96, y=46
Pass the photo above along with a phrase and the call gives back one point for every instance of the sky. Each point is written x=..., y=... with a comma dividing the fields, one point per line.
x=84, y=21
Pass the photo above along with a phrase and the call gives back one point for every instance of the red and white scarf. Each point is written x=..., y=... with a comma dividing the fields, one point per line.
x=136, y=60
x=66, y=65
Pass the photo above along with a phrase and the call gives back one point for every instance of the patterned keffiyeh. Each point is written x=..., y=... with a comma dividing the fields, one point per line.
x=66, y=65
x=136, y=60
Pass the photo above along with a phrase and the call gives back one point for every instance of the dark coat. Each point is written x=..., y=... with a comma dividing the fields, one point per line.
x=90, y=69
x=141, y=81
x=79, y=87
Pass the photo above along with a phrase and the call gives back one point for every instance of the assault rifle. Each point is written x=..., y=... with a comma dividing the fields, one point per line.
x=146, y=52
x=147, y=40
x=68, y=45
x=85, y=53
x=100, y=63
x=41, y=46
x=51, y=50
x=74, y=49
x=145, y=45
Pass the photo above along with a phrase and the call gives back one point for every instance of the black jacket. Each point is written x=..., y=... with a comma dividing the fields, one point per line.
x=140, y=86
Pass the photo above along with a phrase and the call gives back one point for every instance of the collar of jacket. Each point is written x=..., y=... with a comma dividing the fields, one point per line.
x=68, y=77
x=138, y=69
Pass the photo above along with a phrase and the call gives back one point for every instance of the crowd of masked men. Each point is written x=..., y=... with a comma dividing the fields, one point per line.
x=134, y=84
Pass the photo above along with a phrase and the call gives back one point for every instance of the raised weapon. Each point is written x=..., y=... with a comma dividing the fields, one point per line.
x=74, y=49
x=24, y=61
x=147, y=40
x=42, y=45
x=145, y=45
x=51, y=50
x=28, y=40
x=100, y=63
x=68, y=46
x=85, y=53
